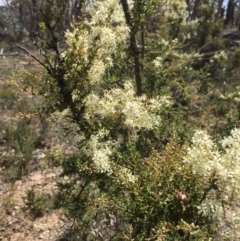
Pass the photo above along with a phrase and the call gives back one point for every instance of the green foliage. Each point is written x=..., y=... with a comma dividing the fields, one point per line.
x=8, y=95
x=23, y=141
x=8, y=203
x=152, y=206
x=52, y=160
x=38, y=204
x=20, y=142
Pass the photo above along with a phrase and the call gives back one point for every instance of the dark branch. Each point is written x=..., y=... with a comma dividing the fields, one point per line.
x=133, y=47
x=34, y=57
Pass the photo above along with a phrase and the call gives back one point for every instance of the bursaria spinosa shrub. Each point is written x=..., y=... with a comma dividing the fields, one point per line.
x=90, y=53
x=122, y=184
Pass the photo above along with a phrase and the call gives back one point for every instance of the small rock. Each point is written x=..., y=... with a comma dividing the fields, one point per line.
x=41, y=236
x=10, y=223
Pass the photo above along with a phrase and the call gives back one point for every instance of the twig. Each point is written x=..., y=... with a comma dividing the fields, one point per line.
x=34, y=57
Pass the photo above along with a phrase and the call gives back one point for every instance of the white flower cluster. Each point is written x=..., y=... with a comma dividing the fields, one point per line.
x=138, y=112
x=203, y=149
x=231, y=162
x=100, y=151
x=135, y=113
x=234, y=96
x=126, y=175
x=172, y=49
x=175, y=9
x=98, y=38
x=107, y=10
x=206, y=159
x=158, y=62
x=220, y=56
x=189, y=27
x=212, y=208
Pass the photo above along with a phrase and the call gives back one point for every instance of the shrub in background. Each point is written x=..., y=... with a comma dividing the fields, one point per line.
x=38, y=204
x=20, y=140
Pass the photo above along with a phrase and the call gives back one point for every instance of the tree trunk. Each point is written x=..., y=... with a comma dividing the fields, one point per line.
x=195, y=9
x=219, y=10
x=133, y=47
x=34, y=17
x=230, y=13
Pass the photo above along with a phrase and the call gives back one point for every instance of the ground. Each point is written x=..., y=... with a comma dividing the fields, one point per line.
x=16, y=223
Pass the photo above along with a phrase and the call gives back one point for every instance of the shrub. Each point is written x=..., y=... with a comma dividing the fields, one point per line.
x=38, y=204
x=125, y=180
x=8, y=95
x=20, y=141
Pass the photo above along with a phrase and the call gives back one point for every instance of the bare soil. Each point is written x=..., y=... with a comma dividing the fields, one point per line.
x=17, y=224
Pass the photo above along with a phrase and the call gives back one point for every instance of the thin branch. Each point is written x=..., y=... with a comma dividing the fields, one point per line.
x=34, y=57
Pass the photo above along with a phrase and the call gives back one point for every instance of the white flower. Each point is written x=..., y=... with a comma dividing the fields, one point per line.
x=139, y=112
x=158, y=62
x=101, y=160
x=94, y=45
x=205, y=159
x=100, y=151
x=127, y=176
